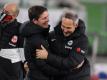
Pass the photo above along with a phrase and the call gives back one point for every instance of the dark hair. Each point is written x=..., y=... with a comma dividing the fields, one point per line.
x=34, y=12
x=70, y=15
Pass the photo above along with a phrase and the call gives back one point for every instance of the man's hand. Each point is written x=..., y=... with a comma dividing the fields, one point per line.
x=41, y=53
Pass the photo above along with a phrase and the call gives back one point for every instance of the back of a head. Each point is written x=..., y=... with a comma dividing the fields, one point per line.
x=34, y=12
x=12, y=8
x=9, y=13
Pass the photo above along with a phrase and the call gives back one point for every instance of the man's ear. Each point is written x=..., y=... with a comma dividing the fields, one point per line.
x=76, y=25
x=34, y=21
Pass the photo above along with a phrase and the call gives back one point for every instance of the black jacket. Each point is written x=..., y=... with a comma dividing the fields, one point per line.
x=69, y=52
x=8, y=32
x=9, y=39
x=6, y=69
x=35, y=35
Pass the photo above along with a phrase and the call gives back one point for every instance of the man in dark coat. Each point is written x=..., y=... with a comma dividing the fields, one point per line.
x=68, y=44
x=10, y=42
x=35, y=32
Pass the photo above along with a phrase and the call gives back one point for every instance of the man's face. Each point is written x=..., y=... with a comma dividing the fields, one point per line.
x=68, y=26
x=43, y=19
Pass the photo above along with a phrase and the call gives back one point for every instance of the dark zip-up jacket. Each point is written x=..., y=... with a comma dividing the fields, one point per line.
x=35, y=35
x=69, y=52
x=8, y=36
x=10, y=40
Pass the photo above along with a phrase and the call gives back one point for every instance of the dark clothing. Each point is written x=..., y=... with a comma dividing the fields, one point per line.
x=35, y=35
x=68, y=53
x=81, y=27
x=8, y=32
x=10, y=42
x=6, y=69
x=73, y=78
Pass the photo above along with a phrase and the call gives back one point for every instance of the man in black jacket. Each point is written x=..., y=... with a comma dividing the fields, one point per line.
x=69, y=44
x=10, y=42
x=35, y=32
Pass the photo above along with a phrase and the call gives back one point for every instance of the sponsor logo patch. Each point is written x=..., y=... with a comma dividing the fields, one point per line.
x=14, y=39
x=70, y=42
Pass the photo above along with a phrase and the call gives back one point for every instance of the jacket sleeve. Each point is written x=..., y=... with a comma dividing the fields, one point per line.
x=42, y=64
x=76, y=56
x=1, y=31
x=48, y=69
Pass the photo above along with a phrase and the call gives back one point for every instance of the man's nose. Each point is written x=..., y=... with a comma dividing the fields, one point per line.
x=47, y=19
x=65, y=30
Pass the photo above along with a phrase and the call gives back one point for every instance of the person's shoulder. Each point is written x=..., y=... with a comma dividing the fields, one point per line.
x=84, y=37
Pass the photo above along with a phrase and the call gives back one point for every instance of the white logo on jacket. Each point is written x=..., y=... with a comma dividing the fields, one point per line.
x=14, y=39
x=53, y=40
x=70, y=42
x=69, y=45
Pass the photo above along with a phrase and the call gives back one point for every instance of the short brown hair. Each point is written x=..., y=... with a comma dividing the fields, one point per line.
x=34, y=12
x=70, y=15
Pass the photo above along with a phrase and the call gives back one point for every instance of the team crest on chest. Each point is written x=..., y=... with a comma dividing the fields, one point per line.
x=14, y=39
x=70, y=42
